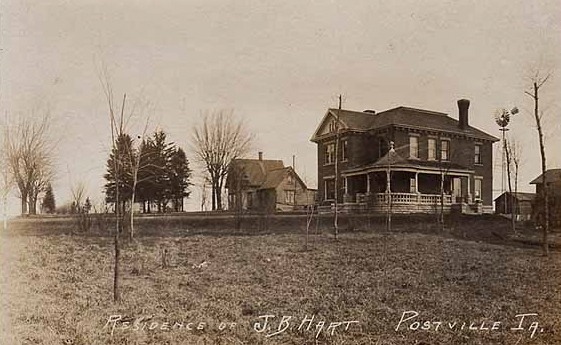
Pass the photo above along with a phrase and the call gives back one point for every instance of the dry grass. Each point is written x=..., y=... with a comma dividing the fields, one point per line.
x=57, y=289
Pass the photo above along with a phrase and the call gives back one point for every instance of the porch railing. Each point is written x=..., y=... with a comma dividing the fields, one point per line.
x=404, y=198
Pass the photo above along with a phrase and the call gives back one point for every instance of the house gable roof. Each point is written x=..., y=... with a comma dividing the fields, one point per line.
x=255, y=170
x=400, y=116
x=275, y=178
x=551, y=175
x=265, y=173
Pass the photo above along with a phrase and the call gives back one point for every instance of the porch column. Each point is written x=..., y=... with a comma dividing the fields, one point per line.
x=346, y=185
x=367, y=183
x=469, y=190
x=417, y=187
x=388, y=183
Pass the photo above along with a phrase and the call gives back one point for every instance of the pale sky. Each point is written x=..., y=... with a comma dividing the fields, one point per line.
x=279, y=65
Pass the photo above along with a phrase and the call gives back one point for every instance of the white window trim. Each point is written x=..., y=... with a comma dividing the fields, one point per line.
x=414, y=135
x=326, y=145
x=477, y=178
x=480, y=163
x=435, y=148
x=325, y=179
x=447, y=152
x=344, y=158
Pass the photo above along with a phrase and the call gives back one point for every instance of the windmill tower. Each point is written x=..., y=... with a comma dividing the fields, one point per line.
x=502, y=118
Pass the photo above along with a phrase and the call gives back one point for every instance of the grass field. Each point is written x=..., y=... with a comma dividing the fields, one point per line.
x=57, y=289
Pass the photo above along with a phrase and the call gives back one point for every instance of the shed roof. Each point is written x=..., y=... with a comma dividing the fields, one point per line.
x=551, y=175
x=520, y=196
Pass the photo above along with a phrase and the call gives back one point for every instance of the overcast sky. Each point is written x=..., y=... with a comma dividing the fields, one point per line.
x=278, y=65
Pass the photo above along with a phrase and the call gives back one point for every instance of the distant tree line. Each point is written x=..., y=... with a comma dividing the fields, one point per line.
x=156, y=172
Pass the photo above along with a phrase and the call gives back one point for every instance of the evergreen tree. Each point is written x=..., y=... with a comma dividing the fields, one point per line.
x=179, y=174
x=49, y=205
x=119, y=159
x=163, y=173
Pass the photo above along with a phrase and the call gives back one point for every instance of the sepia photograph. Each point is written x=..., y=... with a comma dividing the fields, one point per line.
x=280, y=172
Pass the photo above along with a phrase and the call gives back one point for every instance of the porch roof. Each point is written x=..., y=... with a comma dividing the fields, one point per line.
x=400, y=163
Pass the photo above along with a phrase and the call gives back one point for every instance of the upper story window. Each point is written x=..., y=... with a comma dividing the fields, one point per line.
x=383, y=145
x=344, y=152
x=477, y=155
x=431, y=149
x=329, y=153
x=290, y=179
x=414, y=147
x=445, y=150
x=333, y=126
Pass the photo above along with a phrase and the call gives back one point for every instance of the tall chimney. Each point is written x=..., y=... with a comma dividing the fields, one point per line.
x=260, y=155
x=463, y=106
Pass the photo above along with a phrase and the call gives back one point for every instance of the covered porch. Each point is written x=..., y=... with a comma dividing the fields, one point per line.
x=407, y=190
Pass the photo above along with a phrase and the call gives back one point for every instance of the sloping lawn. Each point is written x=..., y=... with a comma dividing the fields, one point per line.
x=222, y=289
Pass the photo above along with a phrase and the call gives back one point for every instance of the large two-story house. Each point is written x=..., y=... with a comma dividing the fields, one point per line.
x=425, y=154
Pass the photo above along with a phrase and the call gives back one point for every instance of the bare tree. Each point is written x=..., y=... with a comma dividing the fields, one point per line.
x=512, y=152
x=29, y=150
x=138, y=164
x=538, y=80
x=117, y=131
x=217, y=141
x=6, y=185
x=78, y=191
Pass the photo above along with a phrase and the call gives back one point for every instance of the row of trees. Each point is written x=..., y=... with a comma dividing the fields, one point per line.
x=152, y=172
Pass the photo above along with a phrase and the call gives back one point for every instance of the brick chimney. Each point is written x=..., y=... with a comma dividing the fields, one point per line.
x=260, y=155
x=463, y=106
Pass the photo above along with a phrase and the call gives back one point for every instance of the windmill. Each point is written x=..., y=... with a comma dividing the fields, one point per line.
x=502, y=118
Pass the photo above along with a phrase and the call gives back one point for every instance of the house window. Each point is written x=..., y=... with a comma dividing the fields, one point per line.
x=477, y=188
x=432, y=149
x=344, y=152
x=290, y=179
x=332, y=126
x=329, y=189
x=289, y=196
x=444, y=150
x=413, y=147
x=477, y=154
x=383, y=145
x=329, y=153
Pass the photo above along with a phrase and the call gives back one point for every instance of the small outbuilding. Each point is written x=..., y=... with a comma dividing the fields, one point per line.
x=521, y=202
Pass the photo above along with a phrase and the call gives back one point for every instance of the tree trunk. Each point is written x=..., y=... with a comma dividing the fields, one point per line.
x=132, y=214
x=32, y=203
x=23, y=203
x=542, y=152
x=511, y=196
x=218, y=198
x=116, y=295
x=441, y=215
